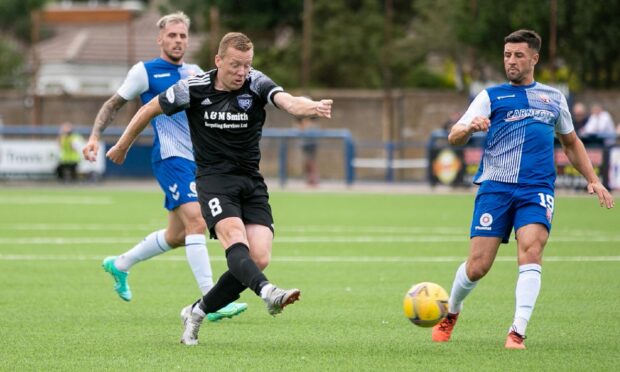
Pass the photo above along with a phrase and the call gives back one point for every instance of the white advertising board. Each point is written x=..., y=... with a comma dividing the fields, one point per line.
x=40, y=157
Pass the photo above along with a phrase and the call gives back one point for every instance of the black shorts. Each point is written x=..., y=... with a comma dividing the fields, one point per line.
x=226, y=195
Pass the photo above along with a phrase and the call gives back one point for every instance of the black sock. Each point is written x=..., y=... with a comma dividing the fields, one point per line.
x=244, y=268
x=226, y=290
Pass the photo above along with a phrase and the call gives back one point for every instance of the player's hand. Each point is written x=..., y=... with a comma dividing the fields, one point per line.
x=324, y=108
x=91, y=149
x=605, y=199
x=116, y=154
x=479, y=124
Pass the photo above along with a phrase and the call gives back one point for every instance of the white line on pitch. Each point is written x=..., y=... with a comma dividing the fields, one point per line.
x=361, y=231
x=300, y=240
x=322, y=259
x=63, y=200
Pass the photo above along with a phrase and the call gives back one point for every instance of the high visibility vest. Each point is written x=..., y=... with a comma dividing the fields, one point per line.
x=68, y=154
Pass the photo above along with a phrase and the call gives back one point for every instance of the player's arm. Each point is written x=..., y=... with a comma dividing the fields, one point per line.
x=475, y=119
x=461, y=132
x=105, y=116
x=302, y=106
x=576, y=153
x=140, y=120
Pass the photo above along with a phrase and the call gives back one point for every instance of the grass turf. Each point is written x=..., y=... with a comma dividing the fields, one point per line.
x=353, y=256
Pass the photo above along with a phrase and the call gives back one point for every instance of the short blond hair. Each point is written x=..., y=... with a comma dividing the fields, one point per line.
x=176, y=17
x=237, y=40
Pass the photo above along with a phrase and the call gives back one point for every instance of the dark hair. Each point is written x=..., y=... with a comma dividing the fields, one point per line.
x=532, y=39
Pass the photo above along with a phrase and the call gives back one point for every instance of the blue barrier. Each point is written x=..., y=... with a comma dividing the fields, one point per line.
x=138, y=162
x=287, y=134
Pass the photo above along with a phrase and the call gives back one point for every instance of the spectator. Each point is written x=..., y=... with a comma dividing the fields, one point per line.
x=600, y=124
x=309, y=146
x=580, y=116
x=70, y=153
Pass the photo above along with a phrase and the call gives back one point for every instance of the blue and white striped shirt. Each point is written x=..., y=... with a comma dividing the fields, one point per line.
x=519, y=147
x=148, y=79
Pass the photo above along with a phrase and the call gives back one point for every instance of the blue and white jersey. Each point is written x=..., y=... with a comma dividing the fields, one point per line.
x=519, y=145
x=148, y=79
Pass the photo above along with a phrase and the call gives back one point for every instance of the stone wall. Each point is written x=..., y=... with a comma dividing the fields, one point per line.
x=416, y=114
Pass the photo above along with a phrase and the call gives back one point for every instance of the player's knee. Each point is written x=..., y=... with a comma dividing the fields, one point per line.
x=262, y=261
x=477, y=271
x=196, y=226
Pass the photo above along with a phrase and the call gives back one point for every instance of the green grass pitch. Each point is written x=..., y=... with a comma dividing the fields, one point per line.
x=353, y=255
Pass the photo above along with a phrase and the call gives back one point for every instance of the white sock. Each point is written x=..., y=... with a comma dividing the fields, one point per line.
x=266, y=288
x=153, y=245
x=526, y=293
x=198, y=259
x=196, y=310
x=460, y=289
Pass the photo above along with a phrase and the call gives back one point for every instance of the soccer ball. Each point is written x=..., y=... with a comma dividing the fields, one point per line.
x=426, y=304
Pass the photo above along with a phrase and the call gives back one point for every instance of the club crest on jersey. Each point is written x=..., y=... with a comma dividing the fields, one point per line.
x=244, y=101
x=545, y=98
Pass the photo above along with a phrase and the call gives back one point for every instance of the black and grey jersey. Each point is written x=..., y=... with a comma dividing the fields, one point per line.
x=225, y=127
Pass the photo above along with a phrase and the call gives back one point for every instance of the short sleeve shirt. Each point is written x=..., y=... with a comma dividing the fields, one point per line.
x=225, y=126
x=519, y=147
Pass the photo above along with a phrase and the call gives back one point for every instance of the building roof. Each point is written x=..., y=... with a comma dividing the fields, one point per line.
x=107, y=43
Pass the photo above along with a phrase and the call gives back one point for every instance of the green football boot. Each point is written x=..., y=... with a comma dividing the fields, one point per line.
x=228, y=311
x=120, y=278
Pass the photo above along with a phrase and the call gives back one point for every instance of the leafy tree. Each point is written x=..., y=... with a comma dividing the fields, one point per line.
x=11, y=62
x=15, y=17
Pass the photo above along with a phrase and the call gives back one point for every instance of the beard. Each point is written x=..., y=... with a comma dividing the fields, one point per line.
x=516, y=76
x=175, y=58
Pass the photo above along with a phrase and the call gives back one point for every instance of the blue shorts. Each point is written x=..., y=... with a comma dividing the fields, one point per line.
x=176, y=176
x=501, y=206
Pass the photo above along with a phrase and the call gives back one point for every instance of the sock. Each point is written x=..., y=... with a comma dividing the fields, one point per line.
x=198, y=259
x=153, y=245
x=241, y=265
x=226, y=290
x=265, y=290
x=526, y=293
x=196, y=310
x=460, y=289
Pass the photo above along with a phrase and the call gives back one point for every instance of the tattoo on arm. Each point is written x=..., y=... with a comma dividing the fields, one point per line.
x=107, y=113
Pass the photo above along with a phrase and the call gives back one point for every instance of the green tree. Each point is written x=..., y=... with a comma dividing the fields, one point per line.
x=15, y=17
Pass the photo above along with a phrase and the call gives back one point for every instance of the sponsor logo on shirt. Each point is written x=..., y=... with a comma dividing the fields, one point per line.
x=226, y=120
x=504, y=97
x=159, y=76
x=545, y=116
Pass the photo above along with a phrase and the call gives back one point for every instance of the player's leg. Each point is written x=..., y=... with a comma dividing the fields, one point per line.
x=226, y=291
x=491, y=225
x=118, y=267
x=157, y=242
x=481, y=256
x=276, y=299
x=187, y=223
x=532, y=225
x=531, y=240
